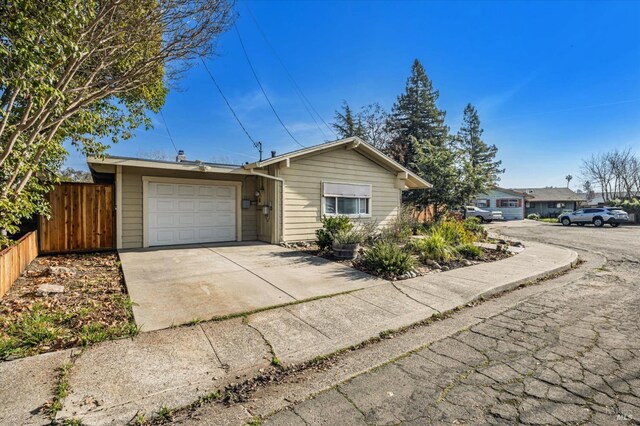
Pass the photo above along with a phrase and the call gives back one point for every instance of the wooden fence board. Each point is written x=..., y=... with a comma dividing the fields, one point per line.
x=14, y=260
x=82, y=219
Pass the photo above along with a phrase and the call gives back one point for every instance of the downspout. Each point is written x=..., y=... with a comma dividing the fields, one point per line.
x=281, y=180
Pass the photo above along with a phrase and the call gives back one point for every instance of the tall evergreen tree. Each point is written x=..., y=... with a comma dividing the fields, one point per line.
x=477, y=160
x=415, y=114
x=347, y=124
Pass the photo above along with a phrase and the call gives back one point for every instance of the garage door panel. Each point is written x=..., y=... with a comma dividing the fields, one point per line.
x=190, y=213
x=223, y=206
x=161, y=189
x=224, y=192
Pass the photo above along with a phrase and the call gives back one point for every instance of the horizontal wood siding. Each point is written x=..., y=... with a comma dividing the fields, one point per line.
x=81, y=219
x=14, y=260
x=303, y=192
x=132, y=200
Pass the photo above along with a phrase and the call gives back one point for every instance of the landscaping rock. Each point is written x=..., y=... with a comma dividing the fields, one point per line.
x=59, y=271
x=46, y=289
x=432, y=264
x=467, y=262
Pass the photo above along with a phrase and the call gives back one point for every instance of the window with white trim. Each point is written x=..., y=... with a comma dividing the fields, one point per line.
x=353, y=200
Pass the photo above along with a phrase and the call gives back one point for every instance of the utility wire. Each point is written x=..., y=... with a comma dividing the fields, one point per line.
x=299, y=91
x=246, y=55
x=168, y=132
x=256, y=144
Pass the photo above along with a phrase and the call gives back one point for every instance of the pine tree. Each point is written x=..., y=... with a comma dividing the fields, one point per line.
x=347, y=124
x=416, y=115
x=477, y=160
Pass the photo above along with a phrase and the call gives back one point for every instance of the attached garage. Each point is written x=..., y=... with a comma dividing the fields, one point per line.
x=184, y=211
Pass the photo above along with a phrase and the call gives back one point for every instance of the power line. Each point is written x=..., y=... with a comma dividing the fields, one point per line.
x=255, y=75
x=168, y=132
x=255, y=144
x=299, y=91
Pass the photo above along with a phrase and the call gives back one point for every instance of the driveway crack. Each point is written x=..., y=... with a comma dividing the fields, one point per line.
x=412, y=298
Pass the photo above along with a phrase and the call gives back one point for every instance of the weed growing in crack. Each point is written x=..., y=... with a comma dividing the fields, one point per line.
x=275, y=361
x=164, y=413
x=62, y=389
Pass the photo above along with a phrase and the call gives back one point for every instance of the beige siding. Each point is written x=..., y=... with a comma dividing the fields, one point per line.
x=302, y=189
x=132, y=200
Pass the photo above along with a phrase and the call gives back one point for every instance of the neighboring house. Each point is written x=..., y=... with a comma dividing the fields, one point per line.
x=549, y=202
x=509, y=202
x=280, y=199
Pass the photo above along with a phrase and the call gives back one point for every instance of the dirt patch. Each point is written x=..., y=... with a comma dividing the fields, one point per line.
x=93, y=306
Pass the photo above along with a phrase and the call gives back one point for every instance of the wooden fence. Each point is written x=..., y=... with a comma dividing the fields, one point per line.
x=14, y=259
x=82, y=219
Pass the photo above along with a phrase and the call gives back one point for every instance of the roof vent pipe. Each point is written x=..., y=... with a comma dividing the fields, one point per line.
x=273, y=154
x=181, y=157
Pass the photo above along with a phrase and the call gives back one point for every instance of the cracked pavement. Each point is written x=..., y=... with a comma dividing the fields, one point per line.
x=570, y=355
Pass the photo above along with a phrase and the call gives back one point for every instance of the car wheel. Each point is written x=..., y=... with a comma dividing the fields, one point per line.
x=481, y=219
x=489, y=220
x=580, y=224
x=598, y=222
x=614, y=225
x=566, y=221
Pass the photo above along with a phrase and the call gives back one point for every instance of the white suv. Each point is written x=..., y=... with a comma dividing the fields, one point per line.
x=597, y=215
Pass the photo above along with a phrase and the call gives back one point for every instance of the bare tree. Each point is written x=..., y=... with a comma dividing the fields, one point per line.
x=617, y=173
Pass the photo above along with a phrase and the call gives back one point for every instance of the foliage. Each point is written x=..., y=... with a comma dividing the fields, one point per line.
x=370, y=124
x=388, y=259
x=549, y=219
x=478, y=161
x=86, y=72
x=347, y=124
x=453, y=231
x=470, y=251
x=331, y=225
x=434, y=247
x=400, y=229
x=74, y=175
x=415, y=115
x=472, y=224
x=347, y=237
x=630, y=206
x=533, y=216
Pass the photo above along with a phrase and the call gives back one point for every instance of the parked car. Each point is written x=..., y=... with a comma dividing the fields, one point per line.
x=483, y=215
x=614, y=216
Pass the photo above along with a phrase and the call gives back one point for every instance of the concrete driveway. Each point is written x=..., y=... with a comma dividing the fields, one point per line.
x=176, y=285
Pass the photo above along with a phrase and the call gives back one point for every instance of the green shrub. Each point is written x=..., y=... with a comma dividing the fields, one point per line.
x=533, y=216
x=453, y=231
x=401, y=228
x=473, y=225
x=470, y=251
x=348, y=237
x=385, y=258
x=435, y=247
x=330, y=226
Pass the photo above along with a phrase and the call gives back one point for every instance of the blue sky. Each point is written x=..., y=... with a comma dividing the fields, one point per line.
x=553, y=82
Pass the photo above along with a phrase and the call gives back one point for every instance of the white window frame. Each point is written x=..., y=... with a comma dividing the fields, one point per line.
x=351, y=216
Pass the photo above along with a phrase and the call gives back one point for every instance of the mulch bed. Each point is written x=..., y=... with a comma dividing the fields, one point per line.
x=420, y=268
x=93, y=307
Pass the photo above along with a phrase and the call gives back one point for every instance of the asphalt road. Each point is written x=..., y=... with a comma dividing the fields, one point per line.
x=569, y=355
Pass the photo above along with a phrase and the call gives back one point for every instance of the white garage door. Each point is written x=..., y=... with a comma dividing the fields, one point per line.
x=190, y=213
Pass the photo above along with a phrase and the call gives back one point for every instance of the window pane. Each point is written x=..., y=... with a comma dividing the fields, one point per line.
x=347, y=205
x=330, y=205
x=364, y=205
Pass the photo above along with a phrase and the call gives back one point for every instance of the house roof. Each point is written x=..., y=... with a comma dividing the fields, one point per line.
x=95, y=164
x=512, y=192
x=550, y=194
x=413, y=181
